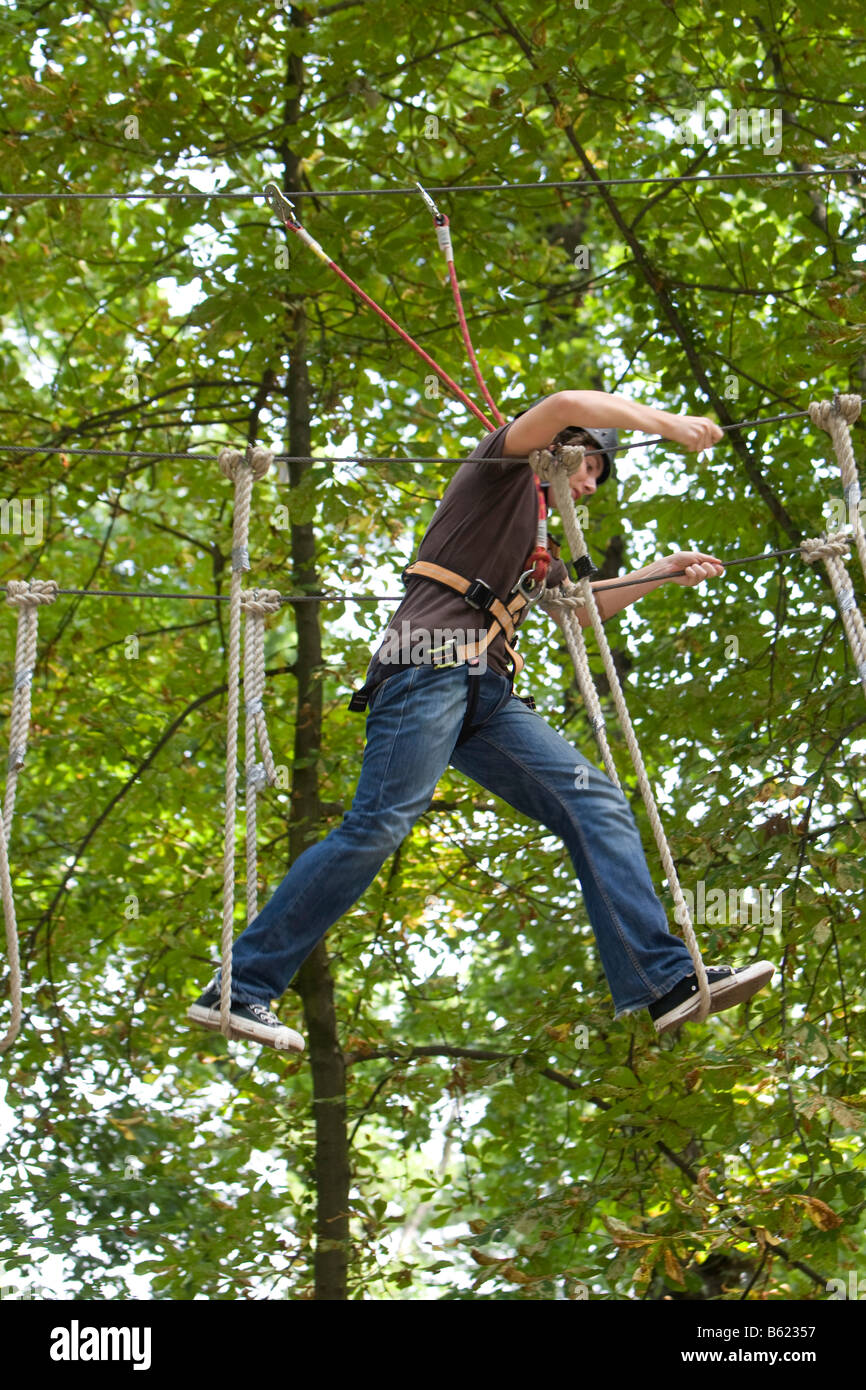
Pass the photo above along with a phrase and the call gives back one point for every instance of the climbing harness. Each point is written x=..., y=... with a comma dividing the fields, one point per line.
x=27, y=596
x=501, y=617
x=479, y=595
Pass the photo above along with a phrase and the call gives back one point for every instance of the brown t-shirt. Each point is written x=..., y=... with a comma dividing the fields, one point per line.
x=484, y=528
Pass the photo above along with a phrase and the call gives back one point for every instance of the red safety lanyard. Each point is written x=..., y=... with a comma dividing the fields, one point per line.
x=283, y=208
x=539, y=561
x=540, y=558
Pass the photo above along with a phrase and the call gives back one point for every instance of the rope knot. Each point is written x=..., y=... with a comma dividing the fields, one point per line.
x=543, y=463
x=261, y=602
x=822, y=412
x=259, y=459
x=230, y=461
x=565, y=598
x=257, y=777
x=564, y=458
x=30, y=593
x=571, y=456
x=825, y=547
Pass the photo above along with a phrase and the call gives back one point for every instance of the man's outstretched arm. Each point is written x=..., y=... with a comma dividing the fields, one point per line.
x=539, y=426
x=697, y=567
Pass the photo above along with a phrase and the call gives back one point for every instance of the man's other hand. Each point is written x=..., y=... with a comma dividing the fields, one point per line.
x=697, y=567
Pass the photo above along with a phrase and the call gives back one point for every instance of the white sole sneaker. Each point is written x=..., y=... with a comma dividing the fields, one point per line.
x=728, y=987
x=745, y=982
x=246, y=1027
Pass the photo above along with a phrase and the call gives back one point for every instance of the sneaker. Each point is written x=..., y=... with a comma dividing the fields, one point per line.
x=249, y=1021
x=727, y=988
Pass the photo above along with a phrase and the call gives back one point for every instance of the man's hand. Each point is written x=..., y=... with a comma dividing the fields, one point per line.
x=697, y=567
x=612, y=595
x=696, y=432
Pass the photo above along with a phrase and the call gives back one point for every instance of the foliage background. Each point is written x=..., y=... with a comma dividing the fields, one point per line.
x=142, y=1158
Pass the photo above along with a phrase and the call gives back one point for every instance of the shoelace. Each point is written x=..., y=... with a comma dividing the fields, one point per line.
x=264, y=1015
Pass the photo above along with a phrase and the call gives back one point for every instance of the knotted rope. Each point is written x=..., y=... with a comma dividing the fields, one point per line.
x=835, y=416
x=555, y=468
x=830, y=549
x=256, y=603
x=243, y=471
x=562, y=604
x=26, y=595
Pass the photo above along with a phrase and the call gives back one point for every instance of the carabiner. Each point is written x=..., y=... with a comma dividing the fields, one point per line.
x=280, y=204
x=437, y=215
x=526, y=589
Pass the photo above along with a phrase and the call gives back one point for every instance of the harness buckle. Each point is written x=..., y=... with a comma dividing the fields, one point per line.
x=479, y=595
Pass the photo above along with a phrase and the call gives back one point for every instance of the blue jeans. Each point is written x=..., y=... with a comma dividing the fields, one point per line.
x=414, y=721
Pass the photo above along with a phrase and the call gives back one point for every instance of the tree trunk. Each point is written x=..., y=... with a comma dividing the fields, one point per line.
x=314, y=983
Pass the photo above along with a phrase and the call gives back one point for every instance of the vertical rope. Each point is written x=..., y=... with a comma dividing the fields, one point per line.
x=555, y=468
x=835, y=416
x=830, y=549
x=11, y=942
x=25, y=595
x=561, y=604
x=256, y=603
x=243, y=471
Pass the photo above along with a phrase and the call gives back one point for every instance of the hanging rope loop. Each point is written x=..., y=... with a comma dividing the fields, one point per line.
x=555, y=467
x=28, y=596
x=831, y=549
x=836, y=417
x=243, y=470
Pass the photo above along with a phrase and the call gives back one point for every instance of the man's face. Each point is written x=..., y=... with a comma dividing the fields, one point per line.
x=584, y=481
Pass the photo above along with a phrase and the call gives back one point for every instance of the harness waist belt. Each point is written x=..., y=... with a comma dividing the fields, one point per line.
x=478, y=594
x=475, y=592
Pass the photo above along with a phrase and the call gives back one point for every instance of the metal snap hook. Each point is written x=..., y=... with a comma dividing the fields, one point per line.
x=524, y=586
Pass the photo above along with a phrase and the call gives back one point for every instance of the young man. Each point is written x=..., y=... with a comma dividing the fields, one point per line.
x=438, y=695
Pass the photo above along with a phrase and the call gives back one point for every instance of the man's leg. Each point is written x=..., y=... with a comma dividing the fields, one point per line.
x=413, y=723
x=518, y=756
